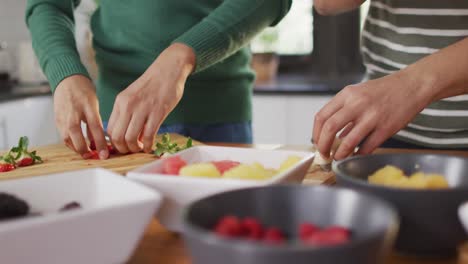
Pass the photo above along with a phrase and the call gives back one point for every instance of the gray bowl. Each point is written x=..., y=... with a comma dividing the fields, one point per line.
x=429, y=222
x=373, y=222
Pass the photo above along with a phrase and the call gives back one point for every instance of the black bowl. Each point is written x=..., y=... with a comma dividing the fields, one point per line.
x=373, y=223
x=429, y=222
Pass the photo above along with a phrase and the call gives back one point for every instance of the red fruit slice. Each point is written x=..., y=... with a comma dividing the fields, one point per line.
x=6, y=167
x=224, y=165
x=172, y=165
x=331, y=236
x=111, y=149
x=274, y=235
x=94, y=155
x=306, y=230
x=92, y=145
x=252, y=228
x=25, y=162
x=229, y=226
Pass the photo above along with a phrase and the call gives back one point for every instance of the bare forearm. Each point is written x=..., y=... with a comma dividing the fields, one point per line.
x=334, y=7
x=442, y=74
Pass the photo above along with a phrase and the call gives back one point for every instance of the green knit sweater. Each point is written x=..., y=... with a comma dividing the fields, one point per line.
x=129, y=35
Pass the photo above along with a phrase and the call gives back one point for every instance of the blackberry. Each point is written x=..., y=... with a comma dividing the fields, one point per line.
x=12, y=207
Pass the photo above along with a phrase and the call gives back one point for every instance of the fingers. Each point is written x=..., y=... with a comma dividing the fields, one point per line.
x=373, y=141
x=330, y=129
x=324, y=114
x=78, y=141
x=362, y=128
x=133, y=131
x=118, y=124
x=96, y=133
x=151, y=128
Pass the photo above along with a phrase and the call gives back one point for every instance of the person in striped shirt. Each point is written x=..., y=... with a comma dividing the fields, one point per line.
x=416, y=55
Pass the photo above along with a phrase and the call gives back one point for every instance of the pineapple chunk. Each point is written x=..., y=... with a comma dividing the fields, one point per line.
x=207, y=170
x=248, y=172
x=435, y=181
x=387, y=175
x=289, y=163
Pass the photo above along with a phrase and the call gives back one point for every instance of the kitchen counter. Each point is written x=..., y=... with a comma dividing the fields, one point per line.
x=161, y=246
x=21, y=92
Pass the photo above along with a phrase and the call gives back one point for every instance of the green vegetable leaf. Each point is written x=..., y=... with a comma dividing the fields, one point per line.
x=166, y=146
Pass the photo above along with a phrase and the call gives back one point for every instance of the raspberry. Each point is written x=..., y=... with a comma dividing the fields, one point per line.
x=229, y=226
x=274, y=236
x=306, y=230
x=252, y=228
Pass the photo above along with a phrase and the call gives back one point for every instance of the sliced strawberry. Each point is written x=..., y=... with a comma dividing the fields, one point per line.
x=224, y=165
x=110, y=148
x=252, y=228
x=94, y=155
x=25, y=162
x=173, y=164
x=229, y=226
x=6, y=167
x=92, y=145
x=274, y=235
x=306, y=230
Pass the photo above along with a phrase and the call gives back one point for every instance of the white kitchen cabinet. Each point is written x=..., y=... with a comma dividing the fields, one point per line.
x=285, y=119
x=32, y=117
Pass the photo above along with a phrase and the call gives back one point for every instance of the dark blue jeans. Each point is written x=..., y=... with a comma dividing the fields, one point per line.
x=221, y=133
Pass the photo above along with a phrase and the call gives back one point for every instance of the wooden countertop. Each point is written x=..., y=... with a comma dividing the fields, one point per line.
x=164, y=247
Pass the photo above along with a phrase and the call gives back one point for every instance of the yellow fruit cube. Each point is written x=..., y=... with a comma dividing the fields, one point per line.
x=386, y=175
x=289, y=163
x=247, y=172
x=435, y=181
x=207, y=170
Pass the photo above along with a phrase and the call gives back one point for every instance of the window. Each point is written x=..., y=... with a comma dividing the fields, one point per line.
x=292, y=36
x=315, y=52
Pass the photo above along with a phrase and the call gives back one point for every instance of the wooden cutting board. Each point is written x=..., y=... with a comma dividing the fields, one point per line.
x=58, y=158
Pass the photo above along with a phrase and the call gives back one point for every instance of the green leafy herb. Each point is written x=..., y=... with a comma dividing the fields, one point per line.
x=166, y=146
x=20, y=151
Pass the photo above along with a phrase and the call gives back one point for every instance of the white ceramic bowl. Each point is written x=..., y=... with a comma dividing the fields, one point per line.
x=463, y=213
x=113, y=217
x=180, y=191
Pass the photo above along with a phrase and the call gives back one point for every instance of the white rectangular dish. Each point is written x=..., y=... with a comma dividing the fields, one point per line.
x=180, y=191
x=106, y=229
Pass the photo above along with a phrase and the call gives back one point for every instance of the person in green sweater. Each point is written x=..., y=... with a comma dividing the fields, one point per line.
x=164, y=66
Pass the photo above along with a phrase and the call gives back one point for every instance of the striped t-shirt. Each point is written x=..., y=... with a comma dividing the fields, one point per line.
x=400, y=32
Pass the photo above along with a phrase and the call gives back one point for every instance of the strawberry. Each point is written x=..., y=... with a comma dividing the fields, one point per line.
x=92, y=145
x=252, y=228
x=94, y=155
x=4, y=167
x=110, y=148
x=21, y=155
x=306, y=230
x=25, y=162
x=229, y=226
x=274, y=235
